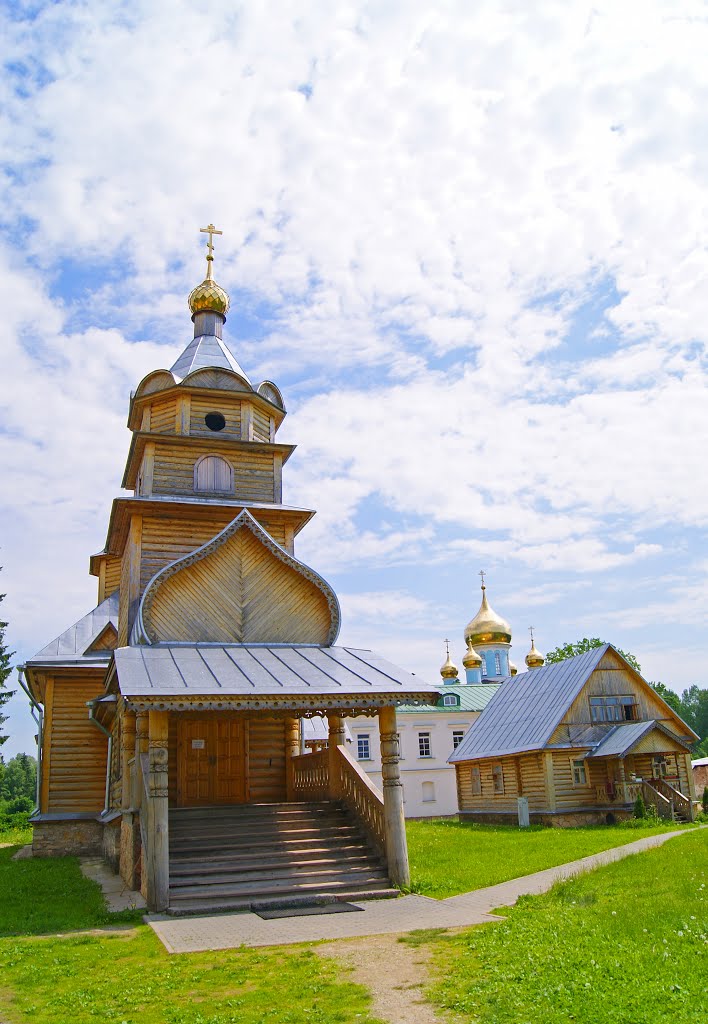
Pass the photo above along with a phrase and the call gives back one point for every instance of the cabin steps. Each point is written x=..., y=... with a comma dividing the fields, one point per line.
x=259, y=856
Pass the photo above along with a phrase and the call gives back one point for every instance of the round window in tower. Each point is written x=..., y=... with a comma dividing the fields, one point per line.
x=215, y=421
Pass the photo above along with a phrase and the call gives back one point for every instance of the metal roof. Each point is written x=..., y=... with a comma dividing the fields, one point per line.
x=626, y=735
x=77, y=639
x=252, y=670
x=206, y=351
x=471, y=697
x=526, y=708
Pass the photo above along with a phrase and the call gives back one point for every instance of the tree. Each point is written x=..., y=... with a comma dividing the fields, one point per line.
x=671, y=698
x=20, y=778
x=585, y=645
x=5, y=667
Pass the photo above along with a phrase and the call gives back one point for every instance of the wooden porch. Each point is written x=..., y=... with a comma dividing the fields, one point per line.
x=218, y=785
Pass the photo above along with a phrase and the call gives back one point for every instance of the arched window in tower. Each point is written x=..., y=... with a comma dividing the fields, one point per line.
x=212, y=473
x=497, y=663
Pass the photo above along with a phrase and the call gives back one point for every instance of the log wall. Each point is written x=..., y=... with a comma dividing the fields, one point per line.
x=74, y=749
x=523, y=776
x=253, y=472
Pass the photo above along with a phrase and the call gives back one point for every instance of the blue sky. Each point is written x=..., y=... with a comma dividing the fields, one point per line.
x=469, y=243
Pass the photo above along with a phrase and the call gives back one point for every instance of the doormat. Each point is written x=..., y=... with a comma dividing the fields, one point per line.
x=326, y=908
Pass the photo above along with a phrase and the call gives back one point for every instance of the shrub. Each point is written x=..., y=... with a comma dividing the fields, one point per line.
x=704, y=800
x=640, y=808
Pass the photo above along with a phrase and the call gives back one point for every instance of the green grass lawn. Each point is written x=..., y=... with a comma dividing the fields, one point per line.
x=626, y=944
x=124, y=975
x=15, y=835
x=448, y=857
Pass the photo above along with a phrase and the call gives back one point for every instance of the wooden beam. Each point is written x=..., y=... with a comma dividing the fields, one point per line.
x=148, y=470
x=549, y=780
x=292, y=749
x=47, y=744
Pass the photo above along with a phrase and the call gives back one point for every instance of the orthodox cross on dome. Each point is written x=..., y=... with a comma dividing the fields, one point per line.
x=531, y=632
x=447, y=646
x=482, y=573
x=211, y=231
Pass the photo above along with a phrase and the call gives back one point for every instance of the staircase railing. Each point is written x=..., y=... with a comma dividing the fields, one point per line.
x=311, y=776
x=311, y=781
x=679, y=803
x=362, y=798
x=653, y=798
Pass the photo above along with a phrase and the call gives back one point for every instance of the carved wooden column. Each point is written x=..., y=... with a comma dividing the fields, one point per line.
x=292, y=749
x=158, y=853
x=336, y=739
x=141, y=747
x=127, y=853
x=396, y=844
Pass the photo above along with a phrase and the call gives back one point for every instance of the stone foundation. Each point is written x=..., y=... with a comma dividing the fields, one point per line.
x=557, y=819
x=111, y=844
x=82, y=837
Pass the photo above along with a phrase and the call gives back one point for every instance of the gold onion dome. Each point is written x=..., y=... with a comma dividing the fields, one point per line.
x=209, y=297
x=513, y=670
x=487, y=627
x=471, y=658
x=534, y=659
x=448, y=670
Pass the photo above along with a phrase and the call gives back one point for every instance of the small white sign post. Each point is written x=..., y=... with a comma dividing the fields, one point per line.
x=523, y=810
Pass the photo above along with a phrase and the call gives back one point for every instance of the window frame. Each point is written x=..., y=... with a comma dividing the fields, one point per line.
x=476, y=780
x=498, y=779
x=363, y=738
x=579, y=764
x=459, y=735
x=450, y=700
x=213, y=490
x=425, y=738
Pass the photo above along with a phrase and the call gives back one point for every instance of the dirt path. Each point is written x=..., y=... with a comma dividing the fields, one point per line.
x=394, y=972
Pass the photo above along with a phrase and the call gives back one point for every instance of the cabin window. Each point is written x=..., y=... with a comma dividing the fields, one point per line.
x=428, y=792
x=363, y=746
x=215, y=421
x=659, y=767
x=580, y=775
x=498, y=779
x=424, y=744
x=457, y=736
x=476, y=782
x=497, y=663
x=212, y=473
x=614, y=709
x=451, y=700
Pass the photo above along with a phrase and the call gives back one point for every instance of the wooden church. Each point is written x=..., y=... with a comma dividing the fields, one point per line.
x=170, y=736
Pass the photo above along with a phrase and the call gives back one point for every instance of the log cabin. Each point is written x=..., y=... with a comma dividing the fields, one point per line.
x=579, y=740
x=170, y=737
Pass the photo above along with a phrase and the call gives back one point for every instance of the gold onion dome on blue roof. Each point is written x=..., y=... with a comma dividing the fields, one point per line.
x=209, y=297
x=487, y=627
x=448, y=670
x=471, y=659
x=534, y=659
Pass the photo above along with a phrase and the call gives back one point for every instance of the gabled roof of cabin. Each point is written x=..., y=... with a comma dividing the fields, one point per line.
x=526, y=709
x=78, y=639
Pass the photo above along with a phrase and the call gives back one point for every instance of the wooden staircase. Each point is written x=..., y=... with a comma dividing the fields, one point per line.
x=265, y=856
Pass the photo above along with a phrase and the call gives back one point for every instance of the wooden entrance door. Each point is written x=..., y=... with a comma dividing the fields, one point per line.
x=211, y=760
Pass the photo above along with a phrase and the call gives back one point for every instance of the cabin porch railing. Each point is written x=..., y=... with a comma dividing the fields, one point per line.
x=311, y=781
x=678, y=802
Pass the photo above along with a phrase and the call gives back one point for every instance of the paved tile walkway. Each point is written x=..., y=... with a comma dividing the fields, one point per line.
x=380, y=917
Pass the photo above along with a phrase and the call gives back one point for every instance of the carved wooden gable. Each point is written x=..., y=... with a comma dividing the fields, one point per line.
x=240, y=587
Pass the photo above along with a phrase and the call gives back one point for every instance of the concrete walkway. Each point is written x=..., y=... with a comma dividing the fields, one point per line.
x=379, y=917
